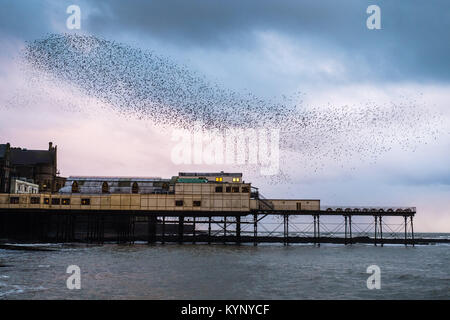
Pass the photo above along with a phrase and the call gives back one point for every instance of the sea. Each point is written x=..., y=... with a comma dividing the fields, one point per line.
x=227, y=271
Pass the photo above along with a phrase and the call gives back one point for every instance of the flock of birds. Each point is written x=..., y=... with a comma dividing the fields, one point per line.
x=146, y=85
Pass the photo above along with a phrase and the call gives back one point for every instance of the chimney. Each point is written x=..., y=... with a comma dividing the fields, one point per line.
x=50, y=145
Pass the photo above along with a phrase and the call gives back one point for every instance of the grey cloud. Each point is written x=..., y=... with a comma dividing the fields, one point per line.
x=412, y=43
x=23, y=19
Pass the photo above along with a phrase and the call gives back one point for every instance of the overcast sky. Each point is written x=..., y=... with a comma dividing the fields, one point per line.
x=322, y=49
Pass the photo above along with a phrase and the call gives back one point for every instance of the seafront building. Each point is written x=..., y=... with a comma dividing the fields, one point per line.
x=35, y=166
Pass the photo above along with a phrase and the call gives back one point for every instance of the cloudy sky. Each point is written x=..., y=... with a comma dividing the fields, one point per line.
x=271, y=49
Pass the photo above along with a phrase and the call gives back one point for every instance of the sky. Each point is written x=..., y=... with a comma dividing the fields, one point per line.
x=383, y=93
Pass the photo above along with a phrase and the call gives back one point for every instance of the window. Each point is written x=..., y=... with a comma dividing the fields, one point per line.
x=245, y=189
x=236, y=179
x=135, y=188
x=235, y=189
x=75, y=188
x=299, y=206
x=228, y=189
x=85, y=202
x=179, y=203
x=66, y=201
x=55, y=201
x=46, y=201
x=197, y=203
x=14, y=200
x=35, y=200
x=105, y=187
x=219, y=189
x=219, y=179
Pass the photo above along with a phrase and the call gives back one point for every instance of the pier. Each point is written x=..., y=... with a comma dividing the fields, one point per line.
x=194, y=208
x=256, y=227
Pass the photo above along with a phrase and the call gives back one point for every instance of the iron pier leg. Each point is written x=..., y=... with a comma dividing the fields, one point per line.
x=58, y=227
x=345, y=230
x=224, y=229
x=209, y=230
x=90, y=228
x=350, y=228
x=193, y=231
x=376, y=223
x=238, y=229
x=287, y=230
x=152, y=222
x=255, y=229
x=406, y=231
x=180, y=229
x=318, y=228
x=163, y=230
x=97, y=228
x=381, y=231
x=132, y=227
x=315, y=232
x=412, y=230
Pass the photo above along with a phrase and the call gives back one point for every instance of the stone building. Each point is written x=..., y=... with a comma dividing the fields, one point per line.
x=38, y=166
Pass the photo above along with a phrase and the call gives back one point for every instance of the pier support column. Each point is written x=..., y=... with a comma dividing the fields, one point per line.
x=315, y=229
x=376, y=223
x=350, y=228
x=102, y=228
x=209, y=230
x=345, y=230
x=238, y=229
x=318, y=229
x=88, y=229
x=163, y=230
x=286, y=229
x=152, y=221
x=132, y=224
x=406, y=231
x=412, y=230
x=193, y=230
x=224, y=229
x=180, y=229
x=255, y=229
x=381, y=230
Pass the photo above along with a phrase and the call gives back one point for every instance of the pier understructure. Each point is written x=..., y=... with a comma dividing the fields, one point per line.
x=346, y=226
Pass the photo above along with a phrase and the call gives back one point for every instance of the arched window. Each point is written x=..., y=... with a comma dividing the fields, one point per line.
x=105, y=187
x=75, y=188
x=135, y=188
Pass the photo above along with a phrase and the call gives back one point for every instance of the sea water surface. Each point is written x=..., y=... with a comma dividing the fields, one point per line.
x=173, y=271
